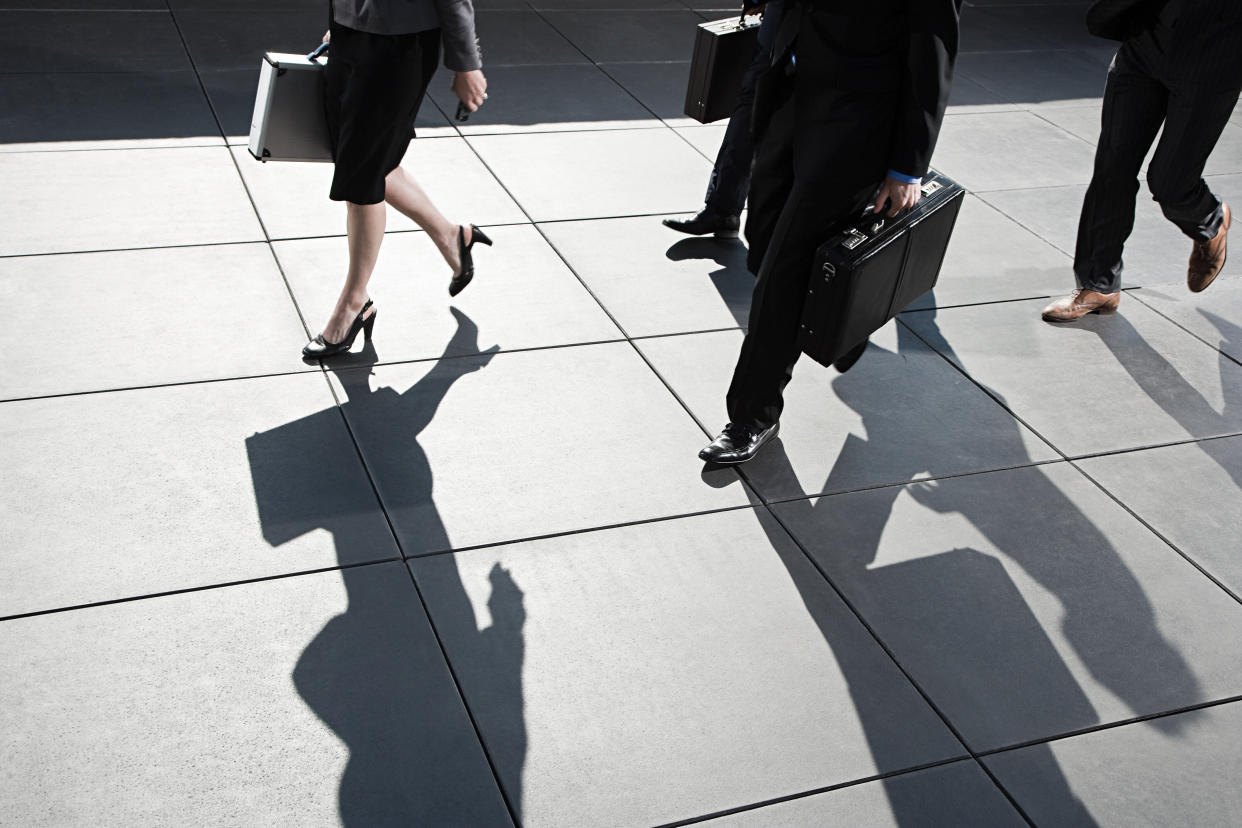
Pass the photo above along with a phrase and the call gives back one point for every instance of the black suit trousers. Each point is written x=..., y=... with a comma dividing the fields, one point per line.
x=807, y=177
x=1141, y=95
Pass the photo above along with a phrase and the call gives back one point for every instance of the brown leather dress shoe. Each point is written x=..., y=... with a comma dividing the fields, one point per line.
x=1080, y=303
x=1207, y=258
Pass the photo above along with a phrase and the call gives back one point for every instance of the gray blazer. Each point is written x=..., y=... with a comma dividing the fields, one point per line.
x=454, y=19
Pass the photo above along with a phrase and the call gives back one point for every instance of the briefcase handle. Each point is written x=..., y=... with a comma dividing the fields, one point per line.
x=319, y=51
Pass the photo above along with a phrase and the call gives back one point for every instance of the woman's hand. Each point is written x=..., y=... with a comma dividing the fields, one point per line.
x=898, y=194
x=470, y=88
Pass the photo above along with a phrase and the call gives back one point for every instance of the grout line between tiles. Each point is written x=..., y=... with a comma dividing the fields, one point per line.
x=988, y=391
x=780, y=800
x=875, y=636
x=1138, y=295
x=1087, y=731
x=129, y=599
x=757, y=497
x=154, y=386
x=1151, y=528
x=422, y=601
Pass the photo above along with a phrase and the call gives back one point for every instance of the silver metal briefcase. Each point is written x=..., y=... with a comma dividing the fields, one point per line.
x=289, y=123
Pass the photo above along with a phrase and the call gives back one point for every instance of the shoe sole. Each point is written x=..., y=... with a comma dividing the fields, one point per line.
x=738, y=461
x=717, y=462
x=1056, y=320
x=726, y=234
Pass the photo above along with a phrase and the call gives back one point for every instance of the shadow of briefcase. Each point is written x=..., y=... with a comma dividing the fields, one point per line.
x=874, y=267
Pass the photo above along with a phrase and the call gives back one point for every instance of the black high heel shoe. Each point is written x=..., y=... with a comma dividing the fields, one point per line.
x=467, y=262
x=319, y=347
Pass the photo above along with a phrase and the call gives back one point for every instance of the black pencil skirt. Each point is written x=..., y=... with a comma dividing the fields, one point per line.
x=374, y=86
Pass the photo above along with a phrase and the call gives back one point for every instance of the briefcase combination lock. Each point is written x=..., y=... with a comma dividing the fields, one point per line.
x=855, y=238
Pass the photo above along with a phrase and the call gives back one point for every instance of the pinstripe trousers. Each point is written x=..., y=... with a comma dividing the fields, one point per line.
x=1143, y=94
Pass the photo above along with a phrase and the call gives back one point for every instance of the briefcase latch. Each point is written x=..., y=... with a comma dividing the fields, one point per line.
x=854, y=239
x=931, y=187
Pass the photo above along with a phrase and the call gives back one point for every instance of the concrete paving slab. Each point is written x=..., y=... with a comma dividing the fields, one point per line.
x=522, y=295
x=116, y=110
x=968, y=96
x=1156, y=252
x=654, y=280
x=226, y=37
x=987, y=29
x=1214, y=316
x=292, y=198
x=244, y=5
x=1090, y=618
x=608, y=5
x=900, y=413
x=135, y=493
x=522, y=38
x=992, y=258
x=629, y=36
x=147, y=317
x=1179, y=771
x=1129, y=380
x=533, y=443
x=1027, y=26
x=318, y=700
x=1153, y=254
x=959, y=793
x=1154, y=484
x=85, y=40
x=708, y=646
x=550, y=98
x=91, y=5
x=1084, y=122
x=1042, y=78
x=661, y=87
x=67, y=202
x=977, y=149
x=706, y=139
x=579, y=175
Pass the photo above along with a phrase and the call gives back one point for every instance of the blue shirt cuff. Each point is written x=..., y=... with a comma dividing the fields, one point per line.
x=905, y=179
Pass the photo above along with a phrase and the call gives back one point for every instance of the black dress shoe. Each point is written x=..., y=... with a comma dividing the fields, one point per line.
x=706, y=221
x=319, y=347
x=846, y=361
x=459, y=282
x=738, y=443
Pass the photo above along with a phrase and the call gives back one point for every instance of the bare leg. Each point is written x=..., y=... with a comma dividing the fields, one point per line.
x=364, y=223
x=403, y=193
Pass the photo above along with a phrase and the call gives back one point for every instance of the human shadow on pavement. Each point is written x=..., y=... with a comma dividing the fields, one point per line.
x=375, y=674
x=955, y=620
x=1178, y=398
x=732, y=280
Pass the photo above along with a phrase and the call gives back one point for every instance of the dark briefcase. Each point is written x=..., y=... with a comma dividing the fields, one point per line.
x=723, y=50
x=873, y=268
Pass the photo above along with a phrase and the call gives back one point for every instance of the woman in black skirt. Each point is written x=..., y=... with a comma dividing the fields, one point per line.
x=383, y=54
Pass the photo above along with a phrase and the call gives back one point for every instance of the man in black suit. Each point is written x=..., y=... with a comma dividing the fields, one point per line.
x=854, y=98
x=1180, y=66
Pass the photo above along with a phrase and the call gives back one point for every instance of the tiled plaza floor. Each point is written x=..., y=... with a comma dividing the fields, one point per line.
x=476, y=575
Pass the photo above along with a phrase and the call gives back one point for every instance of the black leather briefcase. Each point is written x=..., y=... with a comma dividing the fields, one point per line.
x=873, y=268
x=723, y=50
